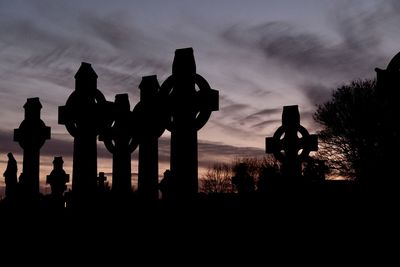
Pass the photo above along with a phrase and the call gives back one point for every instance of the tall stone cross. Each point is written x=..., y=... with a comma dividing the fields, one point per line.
x=189, y=110
x=119, y=141
x=387, y=96
x=31, y=136
x=150, y=120
x=388, y=80
x=84, y=115
x=286, y=145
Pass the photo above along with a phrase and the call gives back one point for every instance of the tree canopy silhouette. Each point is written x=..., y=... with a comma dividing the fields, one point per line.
x=350, y=139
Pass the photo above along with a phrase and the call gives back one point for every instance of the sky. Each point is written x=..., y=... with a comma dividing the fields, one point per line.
x=261, y=55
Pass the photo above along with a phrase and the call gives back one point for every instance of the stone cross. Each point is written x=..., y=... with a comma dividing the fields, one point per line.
x=151, y=117
x=189, y=111
x=286, y=145
x=31, y=136
x=57, y=178
x=388, y=128
x=119, y=141
x=84, y=115
x=388, y=80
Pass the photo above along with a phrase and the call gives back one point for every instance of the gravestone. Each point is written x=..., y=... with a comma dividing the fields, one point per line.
x=189, y=110
x=58, y=178
x=151, y=116
x=31, y=136
x=387, y=96
x=388, y=80
x=85, y=114
x=119, y=141
x=101, y=182
x=10, y=176
x=286, y=145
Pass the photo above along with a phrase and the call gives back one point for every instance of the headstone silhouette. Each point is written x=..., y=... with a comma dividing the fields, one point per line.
x=151, y=119
x=101, y=182
x=166, y=186
x=119, y=141
x=58, y=178
x=10, y=176
x=31, y=136
x=288, y=147
x=84, y=115
x=189, y=109
x=389, y=79
x=388, y=94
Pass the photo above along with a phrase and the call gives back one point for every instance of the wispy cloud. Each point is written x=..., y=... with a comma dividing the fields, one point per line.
x=323, y=61
x=257, y=65
x=264, y=112
x=316, y=93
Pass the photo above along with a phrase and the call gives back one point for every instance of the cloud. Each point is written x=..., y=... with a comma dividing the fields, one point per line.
x=41, y=52
x=264, y=112
x=43, y=46
x=264, y=124
x=257, y=68
x=317, y=93
x=6, y=142
x=319, y=62
x=309, y=53
x=116, y=30
x=210, y=152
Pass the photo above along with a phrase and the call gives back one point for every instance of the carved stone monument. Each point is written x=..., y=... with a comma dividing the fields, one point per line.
x=31, y=136
x=102, y=182
x=151, y=116
x=387, y=95
x=10, y=176
x=119, y=141
x=190, y=109
x=58, y=178
x=286, y=145
x=84, y=115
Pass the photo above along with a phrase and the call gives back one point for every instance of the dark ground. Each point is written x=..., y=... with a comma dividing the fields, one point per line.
x=331, y=221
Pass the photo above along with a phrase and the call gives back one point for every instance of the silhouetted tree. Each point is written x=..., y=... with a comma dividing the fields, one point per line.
x=270, y=175
x=242, y=180
x=263, y=170
x=256, y=167
x=350, y=141
x=217, y=179
x=315, y=170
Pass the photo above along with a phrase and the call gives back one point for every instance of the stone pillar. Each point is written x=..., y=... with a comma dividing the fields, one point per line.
x=84, y=115
x=31, y=136
x=151, y=116
x=118, y=139
x=189, y=111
